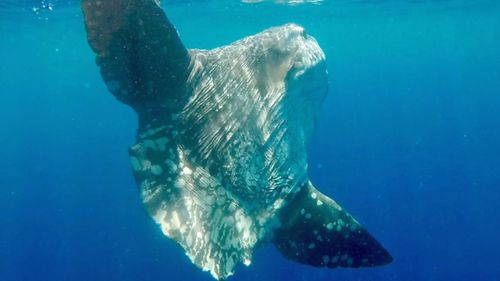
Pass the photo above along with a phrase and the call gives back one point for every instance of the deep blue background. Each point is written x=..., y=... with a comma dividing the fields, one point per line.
x=408, y=142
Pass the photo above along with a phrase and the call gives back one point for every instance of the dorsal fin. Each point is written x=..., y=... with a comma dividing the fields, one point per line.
x=317, y=231
x=141, y=56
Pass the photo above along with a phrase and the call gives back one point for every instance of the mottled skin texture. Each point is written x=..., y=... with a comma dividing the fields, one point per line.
x=317, y=231
x=220, y=158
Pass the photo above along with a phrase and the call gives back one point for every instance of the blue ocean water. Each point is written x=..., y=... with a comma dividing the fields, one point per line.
x=408, y=140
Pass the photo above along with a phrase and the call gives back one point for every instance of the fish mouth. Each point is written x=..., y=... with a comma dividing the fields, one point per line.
x=312, y=78
x=309, y=58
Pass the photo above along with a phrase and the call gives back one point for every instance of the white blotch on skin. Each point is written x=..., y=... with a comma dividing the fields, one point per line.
x=156, y=170
x=171, y=165
x=160, y=215
x=162, y=142
x=335, y=259
x=204, y=182
x=146, y=164
x=326, y=259
x=176, y=223
x=278, y=203
x=178, y=184
x=135, y=164
x=187, y=171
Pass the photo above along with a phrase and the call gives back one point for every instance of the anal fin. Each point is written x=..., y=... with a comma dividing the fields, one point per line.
x=316, y=231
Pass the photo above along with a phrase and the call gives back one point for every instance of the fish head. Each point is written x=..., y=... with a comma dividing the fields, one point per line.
x=297, y=64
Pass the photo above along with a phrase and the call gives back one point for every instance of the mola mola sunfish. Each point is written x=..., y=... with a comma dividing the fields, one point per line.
x=220, y=158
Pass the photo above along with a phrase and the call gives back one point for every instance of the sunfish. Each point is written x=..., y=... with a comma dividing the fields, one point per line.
x=220, y=158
